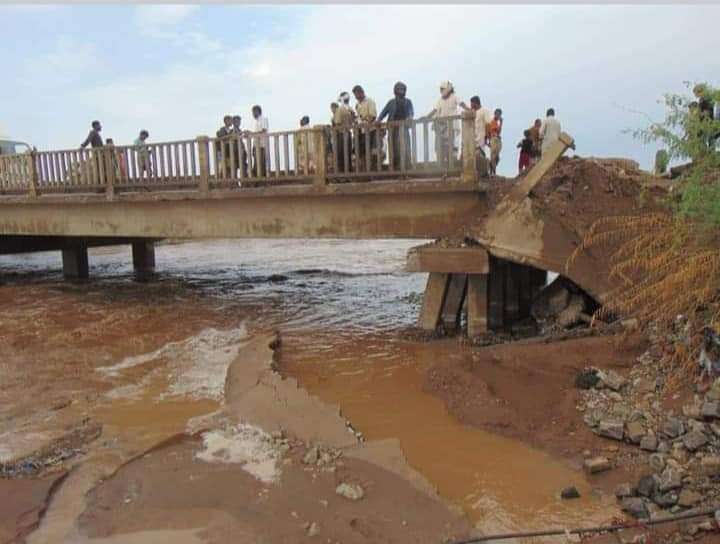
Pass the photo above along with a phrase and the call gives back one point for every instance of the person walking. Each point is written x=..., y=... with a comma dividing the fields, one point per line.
x=549, y=131
x=399, y=108
x=536, y=140
x=366, y=115
x=260, y=142
x=143, y=154
x=483, y=117
x=526, y=147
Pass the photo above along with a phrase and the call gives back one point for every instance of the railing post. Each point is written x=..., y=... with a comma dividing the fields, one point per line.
x=33, y=174
x=320, y=177
x=109, y=160
x=204, y=164
x=469, y=171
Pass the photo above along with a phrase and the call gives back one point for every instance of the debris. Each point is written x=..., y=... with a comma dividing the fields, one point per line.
x=649, y=442
x=635, y=431
x=709, y=358
x=354, y=492
x=624, y=490
x=612, y=380
x=311, y=456
x=597, y=464
x=313, y=529
x=670, y=479
x=673, y=427
x=570, y=493
x=711, y=410
x=694, y=440
x=689, y=498
x=710, y=465
x=587, y=378
x=648, y=485
x=611, y=429
x=635, y=506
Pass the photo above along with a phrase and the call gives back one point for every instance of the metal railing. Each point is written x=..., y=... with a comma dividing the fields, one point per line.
x=319, y=155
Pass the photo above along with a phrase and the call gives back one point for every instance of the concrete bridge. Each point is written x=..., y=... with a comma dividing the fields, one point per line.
x=390, y=180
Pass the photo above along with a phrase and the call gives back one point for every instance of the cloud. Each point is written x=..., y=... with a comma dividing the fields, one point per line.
x=162, y=15
x=166, y=22
x=580, y=59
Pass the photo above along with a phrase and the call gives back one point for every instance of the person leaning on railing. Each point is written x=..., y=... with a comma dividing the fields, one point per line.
x=95, y=141
x=304, y=148
x=222, y=146
x=399, y=108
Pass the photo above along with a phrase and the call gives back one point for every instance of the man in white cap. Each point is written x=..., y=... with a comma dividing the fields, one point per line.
x=448, y=105
x=342, y=133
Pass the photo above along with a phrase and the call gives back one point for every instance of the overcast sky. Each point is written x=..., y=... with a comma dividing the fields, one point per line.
x=176, y=69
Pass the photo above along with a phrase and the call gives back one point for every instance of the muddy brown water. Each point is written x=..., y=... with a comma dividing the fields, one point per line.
x=338, y=305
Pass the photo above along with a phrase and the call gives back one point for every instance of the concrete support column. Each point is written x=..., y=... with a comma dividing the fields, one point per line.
x=143, y=254
x=433, y=301
x=477, y=297
x=496, y=294
x=454, y=301
x=75, y=262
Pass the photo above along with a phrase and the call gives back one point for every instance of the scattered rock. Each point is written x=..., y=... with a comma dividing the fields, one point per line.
x=611, y=429
x=649, y=442
x=313, y=529
x=657, y=462
x=587, y=378
x=570, y=493
x=694, y=440
x=612, y=380
x=354, y=492
x=635, y=431
x=597, y=464
x=635, y=506
x=648, y=485
x=689, y=498
x=666, y=500
x=311, y=456
x=673, y=427
x=625, y=490
x=670, y=479
x=711, y=410
x=710, y=465
x=644, y=385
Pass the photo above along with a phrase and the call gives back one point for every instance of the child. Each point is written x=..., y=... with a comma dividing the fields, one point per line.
x=494, y=130
x=526, y=149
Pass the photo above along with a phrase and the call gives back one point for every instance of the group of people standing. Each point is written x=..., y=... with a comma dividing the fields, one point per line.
x=355, y=135
x=144, y=153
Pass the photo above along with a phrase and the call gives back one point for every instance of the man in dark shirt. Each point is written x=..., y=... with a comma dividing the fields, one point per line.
x=399, y=108
x=93, y=138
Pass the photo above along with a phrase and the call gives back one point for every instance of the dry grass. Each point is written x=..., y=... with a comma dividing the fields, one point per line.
x=664, y=267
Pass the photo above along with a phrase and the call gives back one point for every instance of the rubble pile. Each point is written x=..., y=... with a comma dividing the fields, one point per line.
x=677, y=454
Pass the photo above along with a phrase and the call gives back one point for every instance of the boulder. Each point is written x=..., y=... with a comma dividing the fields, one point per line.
x=587, y=378
x=711, y=410
x=649, y=442
x=570, y=493
x=635, y=506
x=648, y=485
x=665, y=500
x=625, y=490
x=612, y=380
x=354, y=492
x=597, y=464
x=610, y=428
x=670, y=479
x=710, y=465
x=694, y=440
x=689, y=498
x=673, y=427
x=657, y=462
x=635, y=431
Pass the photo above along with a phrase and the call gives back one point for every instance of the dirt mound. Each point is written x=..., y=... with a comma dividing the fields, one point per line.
x=576, y=192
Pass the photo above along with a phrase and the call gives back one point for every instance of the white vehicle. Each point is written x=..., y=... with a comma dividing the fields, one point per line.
x=13, y=173
x=12, y=147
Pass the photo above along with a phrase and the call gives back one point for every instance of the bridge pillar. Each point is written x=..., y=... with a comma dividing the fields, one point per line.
x=454, y=301
x=433, y=301
x=477, y=297
x=143, y=254
x=75, y=262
